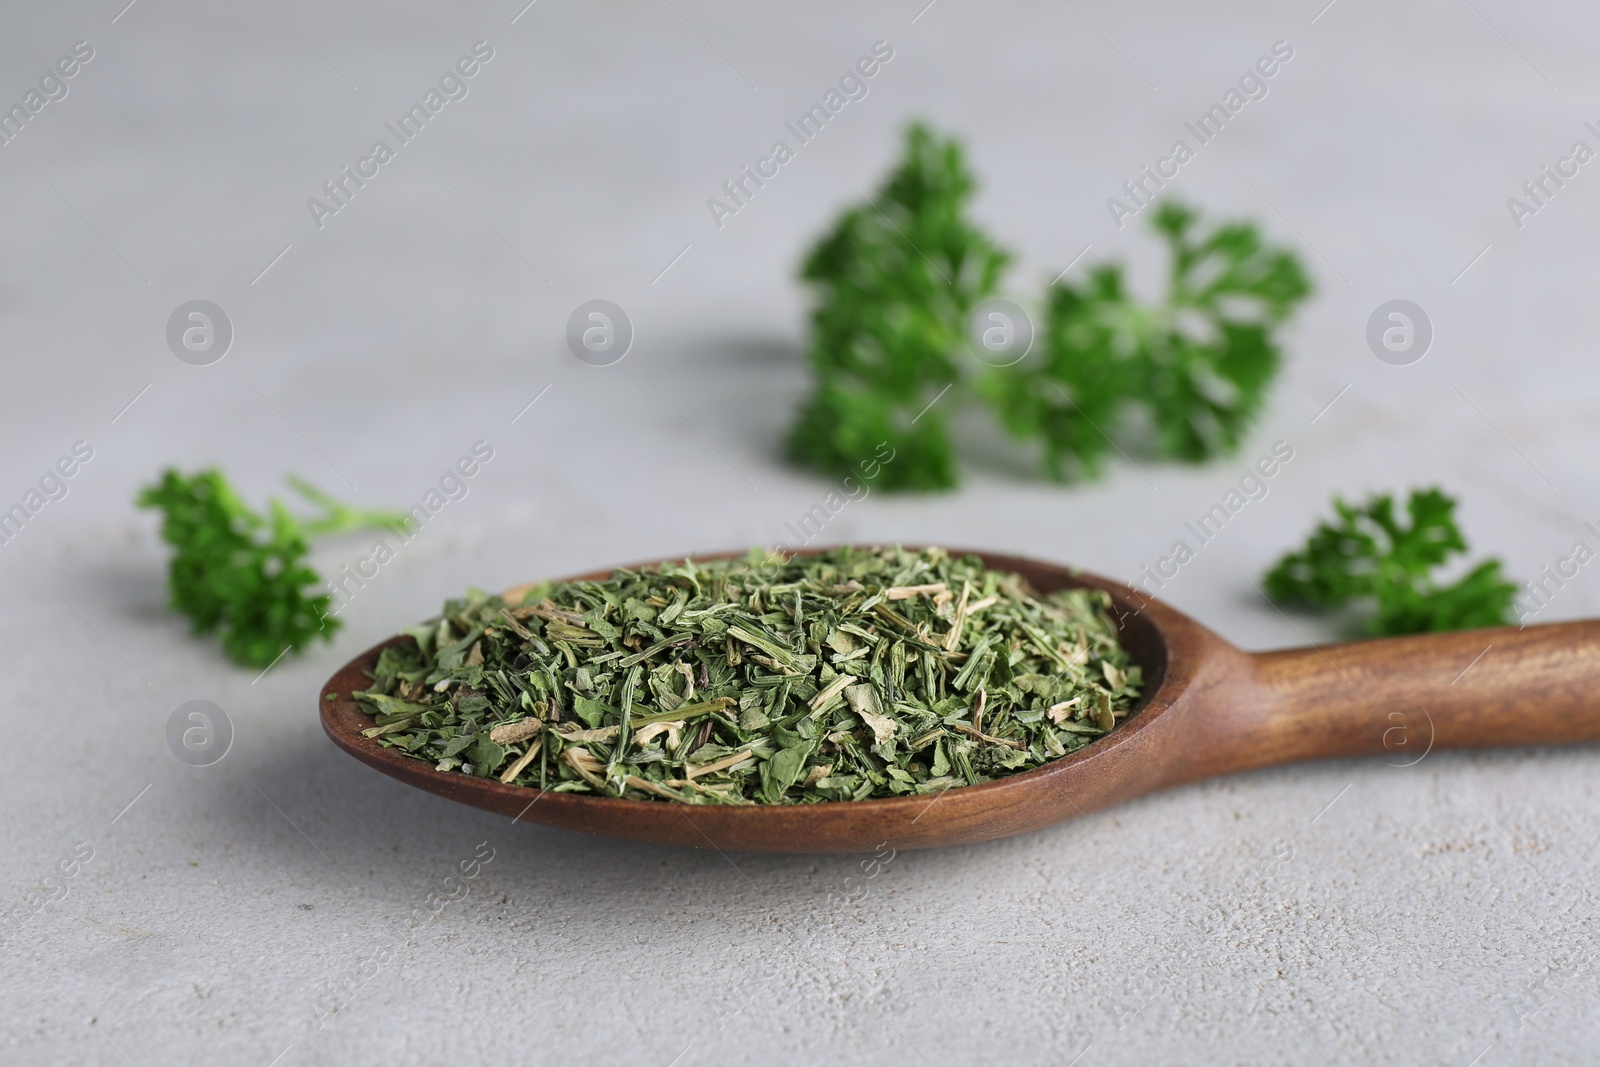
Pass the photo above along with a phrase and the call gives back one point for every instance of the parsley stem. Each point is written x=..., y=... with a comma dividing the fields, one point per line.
x=340, y=517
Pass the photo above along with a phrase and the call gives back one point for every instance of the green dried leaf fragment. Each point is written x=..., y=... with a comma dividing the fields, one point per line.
x=388, y=707
x=782, y=771
x=486, y=756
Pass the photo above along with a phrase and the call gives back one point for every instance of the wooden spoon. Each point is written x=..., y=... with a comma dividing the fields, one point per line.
x=1209, y=709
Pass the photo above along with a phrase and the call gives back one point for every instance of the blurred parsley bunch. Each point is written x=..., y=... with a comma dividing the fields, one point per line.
x=1368, y=553
x=896, y=281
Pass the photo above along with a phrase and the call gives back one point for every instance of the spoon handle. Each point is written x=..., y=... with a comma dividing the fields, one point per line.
x=1404, y=696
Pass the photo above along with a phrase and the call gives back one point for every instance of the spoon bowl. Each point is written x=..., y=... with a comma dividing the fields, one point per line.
x=1208, y=709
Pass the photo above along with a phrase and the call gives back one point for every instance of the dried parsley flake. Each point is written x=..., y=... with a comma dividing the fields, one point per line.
x=770, y=679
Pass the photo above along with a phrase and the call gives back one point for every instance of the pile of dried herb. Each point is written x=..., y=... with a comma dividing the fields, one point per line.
x=782, y=680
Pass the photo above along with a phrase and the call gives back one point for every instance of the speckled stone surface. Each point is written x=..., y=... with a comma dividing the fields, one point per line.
x=1327, y=913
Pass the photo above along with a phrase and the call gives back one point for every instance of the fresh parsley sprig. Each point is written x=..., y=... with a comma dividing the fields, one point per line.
x=1369, y=554
x=895, y=281
x=1200, y=360
x=243, y=575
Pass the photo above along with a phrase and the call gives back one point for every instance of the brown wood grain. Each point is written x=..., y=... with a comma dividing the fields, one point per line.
x=1209, y=709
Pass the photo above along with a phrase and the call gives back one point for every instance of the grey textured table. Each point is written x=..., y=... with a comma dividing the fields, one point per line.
x=1336, y=913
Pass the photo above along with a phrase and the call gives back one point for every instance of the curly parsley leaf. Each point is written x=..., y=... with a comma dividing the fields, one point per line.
x=1481, y=598
x=241, y=574
x=1201, y=361
x=895, y=281
x=1368, y=553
